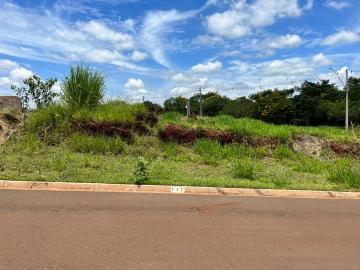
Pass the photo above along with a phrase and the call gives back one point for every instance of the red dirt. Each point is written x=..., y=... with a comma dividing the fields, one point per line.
x=343, y=149
x=109, y=129
x=182, y=135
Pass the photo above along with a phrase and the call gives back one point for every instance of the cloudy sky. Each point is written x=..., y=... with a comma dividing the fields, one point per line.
x=163, y=48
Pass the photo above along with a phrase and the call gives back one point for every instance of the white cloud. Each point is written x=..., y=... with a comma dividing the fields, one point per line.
x=100, y=31
x=287, y=41
x=135, y=89
x=337, y=4
x=341, y=37
x=207, y=67
x=321, y=59
x=138, y=56
x=181, y=90
x=11, y=73
x=287, y=67
x=104, y=56
x=309, y=5
x=58, y=40
x=208, y=40
x=202, y=82
x=243, y=17
x=181, y=77
x=134, y=84
x=20, y=73
x=6, y=65
x=156, y=25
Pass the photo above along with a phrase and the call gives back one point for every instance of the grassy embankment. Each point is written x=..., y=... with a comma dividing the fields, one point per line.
x=52, y=148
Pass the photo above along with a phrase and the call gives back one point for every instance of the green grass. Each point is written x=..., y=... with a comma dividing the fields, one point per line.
x=244, y=169
x=48, y=149
x=346, y=172
x=27, y=158
x=257, y=128
x=95, y=144
x=114, y=111
x=210, y=151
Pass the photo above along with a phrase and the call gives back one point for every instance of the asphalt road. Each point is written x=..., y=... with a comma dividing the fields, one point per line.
x=72, y=230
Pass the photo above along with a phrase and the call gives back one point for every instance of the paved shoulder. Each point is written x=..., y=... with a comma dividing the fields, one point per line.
x=77, y=230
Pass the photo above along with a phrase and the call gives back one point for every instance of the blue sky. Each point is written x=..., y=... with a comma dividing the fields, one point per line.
x=165, y=48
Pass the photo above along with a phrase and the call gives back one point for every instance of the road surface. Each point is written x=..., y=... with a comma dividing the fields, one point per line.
x=72, y=230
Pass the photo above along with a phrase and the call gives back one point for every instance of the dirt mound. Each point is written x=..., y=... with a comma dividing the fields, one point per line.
x=308, y=144
x=183, y=135
x=10, y=123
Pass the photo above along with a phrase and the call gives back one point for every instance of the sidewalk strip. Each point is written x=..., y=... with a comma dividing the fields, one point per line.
x=246, y=192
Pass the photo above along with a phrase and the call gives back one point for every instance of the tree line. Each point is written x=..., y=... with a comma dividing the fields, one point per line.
x=320, y=103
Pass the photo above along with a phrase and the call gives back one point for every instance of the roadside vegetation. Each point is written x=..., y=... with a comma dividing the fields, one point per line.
x=82, y=138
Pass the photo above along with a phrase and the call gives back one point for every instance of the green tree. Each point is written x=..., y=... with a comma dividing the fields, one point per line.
x=240, y=107
x=175, y=104
x=314, y=100
x=214, y=104
x=273, y=106
x=354, y=97
x=36, y=90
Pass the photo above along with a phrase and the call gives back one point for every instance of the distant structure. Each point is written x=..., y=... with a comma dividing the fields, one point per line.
x=10, y=102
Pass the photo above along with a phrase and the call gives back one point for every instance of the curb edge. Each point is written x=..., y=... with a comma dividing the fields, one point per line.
x=128, y=188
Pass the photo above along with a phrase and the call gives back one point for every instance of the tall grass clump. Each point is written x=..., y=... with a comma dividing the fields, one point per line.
x=83, y=88
x=210, y=151
x=244, y=169
x=95, y=144
x=345, y=172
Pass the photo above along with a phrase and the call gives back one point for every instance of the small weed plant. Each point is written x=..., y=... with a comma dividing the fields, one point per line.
x=141, y=173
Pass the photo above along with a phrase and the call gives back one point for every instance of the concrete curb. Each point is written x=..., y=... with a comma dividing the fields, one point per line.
x=97, y=187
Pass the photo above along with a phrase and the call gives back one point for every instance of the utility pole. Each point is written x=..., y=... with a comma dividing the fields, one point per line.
x=201, y=113
x=143, y=99
x=346, y=88
x=347, y=100
x=188, y=107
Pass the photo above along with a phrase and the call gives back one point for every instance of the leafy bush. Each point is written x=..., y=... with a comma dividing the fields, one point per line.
x=39, y=91
x=50, y=124
x=141, y=173
x=95, y=144
x=345, y=172
x=83, y=88
x=244, y=169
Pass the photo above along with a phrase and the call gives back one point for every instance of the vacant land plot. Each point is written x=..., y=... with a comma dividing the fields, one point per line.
x=104, y=145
